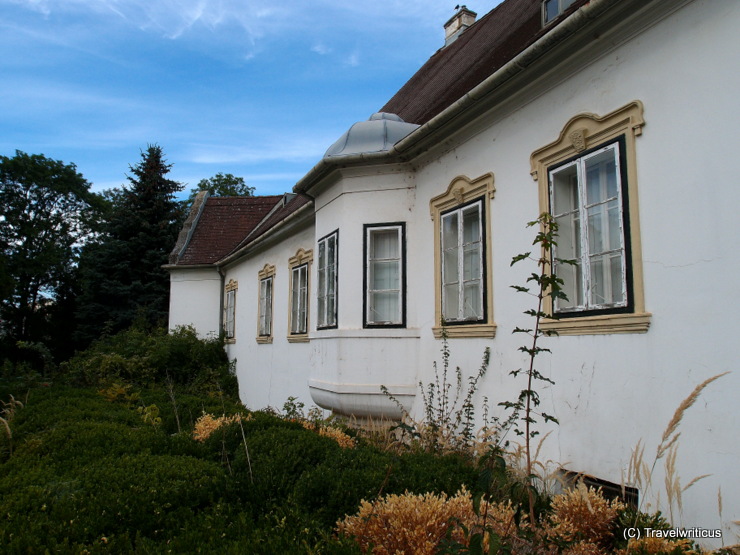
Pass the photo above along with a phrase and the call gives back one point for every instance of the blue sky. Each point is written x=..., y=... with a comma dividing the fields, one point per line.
x=256, y=89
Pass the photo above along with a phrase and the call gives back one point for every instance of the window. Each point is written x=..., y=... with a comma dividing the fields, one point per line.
x=463, y=300
x=299, y=274
x=327, y=277
x=385, y=279
x=298, y=299
x=588, y=182
x=462, y=264
x=587, y=200
x=264, y=326
x=553, y=8
x=230, y=311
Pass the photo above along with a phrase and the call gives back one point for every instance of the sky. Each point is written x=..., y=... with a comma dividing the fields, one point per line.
x=256, y=89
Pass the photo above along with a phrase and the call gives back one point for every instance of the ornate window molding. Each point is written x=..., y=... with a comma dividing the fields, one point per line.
x=461, y=193
x=266, y=288
x=298, y=311
x=585, y=133
x=230, y=311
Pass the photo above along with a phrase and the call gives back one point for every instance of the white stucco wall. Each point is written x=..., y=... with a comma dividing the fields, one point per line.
x=270, y=373
x=611, y=391
x=615, y=390
x=195, y=300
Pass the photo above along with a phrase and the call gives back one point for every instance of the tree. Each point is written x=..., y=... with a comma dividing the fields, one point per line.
x=222, y=185
x=122, y=275
x=47, y=209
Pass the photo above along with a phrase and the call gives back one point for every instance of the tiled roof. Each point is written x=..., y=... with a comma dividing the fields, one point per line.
x=292, y=206
x=478, y=52
x=223, y=224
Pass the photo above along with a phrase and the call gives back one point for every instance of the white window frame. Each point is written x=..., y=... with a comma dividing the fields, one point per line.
x=230, y=312
x=586, y=301
x=265, y=306
x=460, y=249
x=400, y=317
x=299, y=299
x=328, y=282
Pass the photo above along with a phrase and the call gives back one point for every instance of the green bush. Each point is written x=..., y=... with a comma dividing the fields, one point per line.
x=148, y=356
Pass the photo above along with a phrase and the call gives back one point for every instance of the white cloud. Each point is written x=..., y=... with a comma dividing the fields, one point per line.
x=320, y=48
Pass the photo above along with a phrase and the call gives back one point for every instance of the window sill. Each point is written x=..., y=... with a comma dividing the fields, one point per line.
x=599, y=325
x=264, y=339
x=472, y=330
x=302, y=338
x=229, y=341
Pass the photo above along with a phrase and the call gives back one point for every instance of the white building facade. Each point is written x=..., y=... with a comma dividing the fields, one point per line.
x=617, y=117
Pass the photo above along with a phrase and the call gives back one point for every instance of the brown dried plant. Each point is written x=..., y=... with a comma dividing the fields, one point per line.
x=342, y=439
x=8, y=413
x=418, y=524
x=583, y=518
x=207, y=424
x=657, y=546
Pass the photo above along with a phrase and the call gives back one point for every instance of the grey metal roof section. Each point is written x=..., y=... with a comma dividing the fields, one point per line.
x=378, y=134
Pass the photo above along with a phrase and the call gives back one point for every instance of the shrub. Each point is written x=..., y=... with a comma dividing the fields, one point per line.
x=420, y=523
x=146, y=356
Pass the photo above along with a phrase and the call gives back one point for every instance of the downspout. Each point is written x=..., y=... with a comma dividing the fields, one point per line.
x=221, y=296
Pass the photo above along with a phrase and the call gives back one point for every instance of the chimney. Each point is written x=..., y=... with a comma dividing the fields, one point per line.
x=463, y=19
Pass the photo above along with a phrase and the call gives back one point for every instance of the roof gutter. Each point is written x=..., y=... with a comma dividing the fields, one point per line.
x=450, y=118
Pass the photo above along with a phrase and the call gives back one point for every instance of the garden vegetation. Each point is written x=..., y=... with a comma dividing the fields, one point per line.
x=141, y=445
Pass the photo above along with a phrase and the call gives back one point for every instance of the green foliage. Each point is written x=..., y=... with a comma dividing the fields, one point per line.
x=546, y=284
x=47, y=212
x=449, y=420
x=122, y=278
x=146, y=356
x=221, y=185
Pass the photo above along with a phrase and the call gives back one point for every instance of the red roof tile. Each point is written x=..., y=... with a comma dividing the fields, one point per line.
x=478, y=52
x=223, y=224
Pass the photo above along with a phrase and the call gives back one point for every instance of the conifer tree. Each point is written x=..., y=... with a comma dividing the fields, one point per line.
x=122, y=275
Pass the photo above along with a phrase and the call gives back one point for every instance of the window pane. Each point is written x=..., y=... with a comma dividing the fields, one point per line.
x=596, y=235
x=471, y=224
x=472, y=299
x=384, y=244
x=385, y=275
x=601, y=177
x=617, y=278
x=565, y=190
x=551, y=10
x=450, y=268
x=599, y=283
x=322, y=255
x=615, y=229
x=450, y=302
x=384, y=307
x=449, y=231
x=472, y=262
x=331, y=255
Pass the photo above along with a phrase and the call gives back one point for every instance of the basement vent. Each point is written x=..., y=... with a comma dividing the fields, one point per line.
x=610, y=490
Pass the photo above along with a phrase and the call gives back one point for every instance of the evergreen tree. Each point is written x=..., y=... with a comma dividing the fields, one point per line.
x=122, y=275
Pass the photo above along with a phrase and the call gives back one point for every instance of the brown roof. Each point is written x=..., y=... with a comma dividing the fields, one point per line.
x=290, y=207
x=477, y=53
x=223, y=224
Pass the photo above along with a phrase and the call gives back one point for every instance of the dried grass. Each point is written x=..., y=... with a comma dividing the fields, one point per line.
x=207, y=424
x=640, y=474
x=657, y=546
x=418, y=524
x=583, y=518
x=342, y=439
